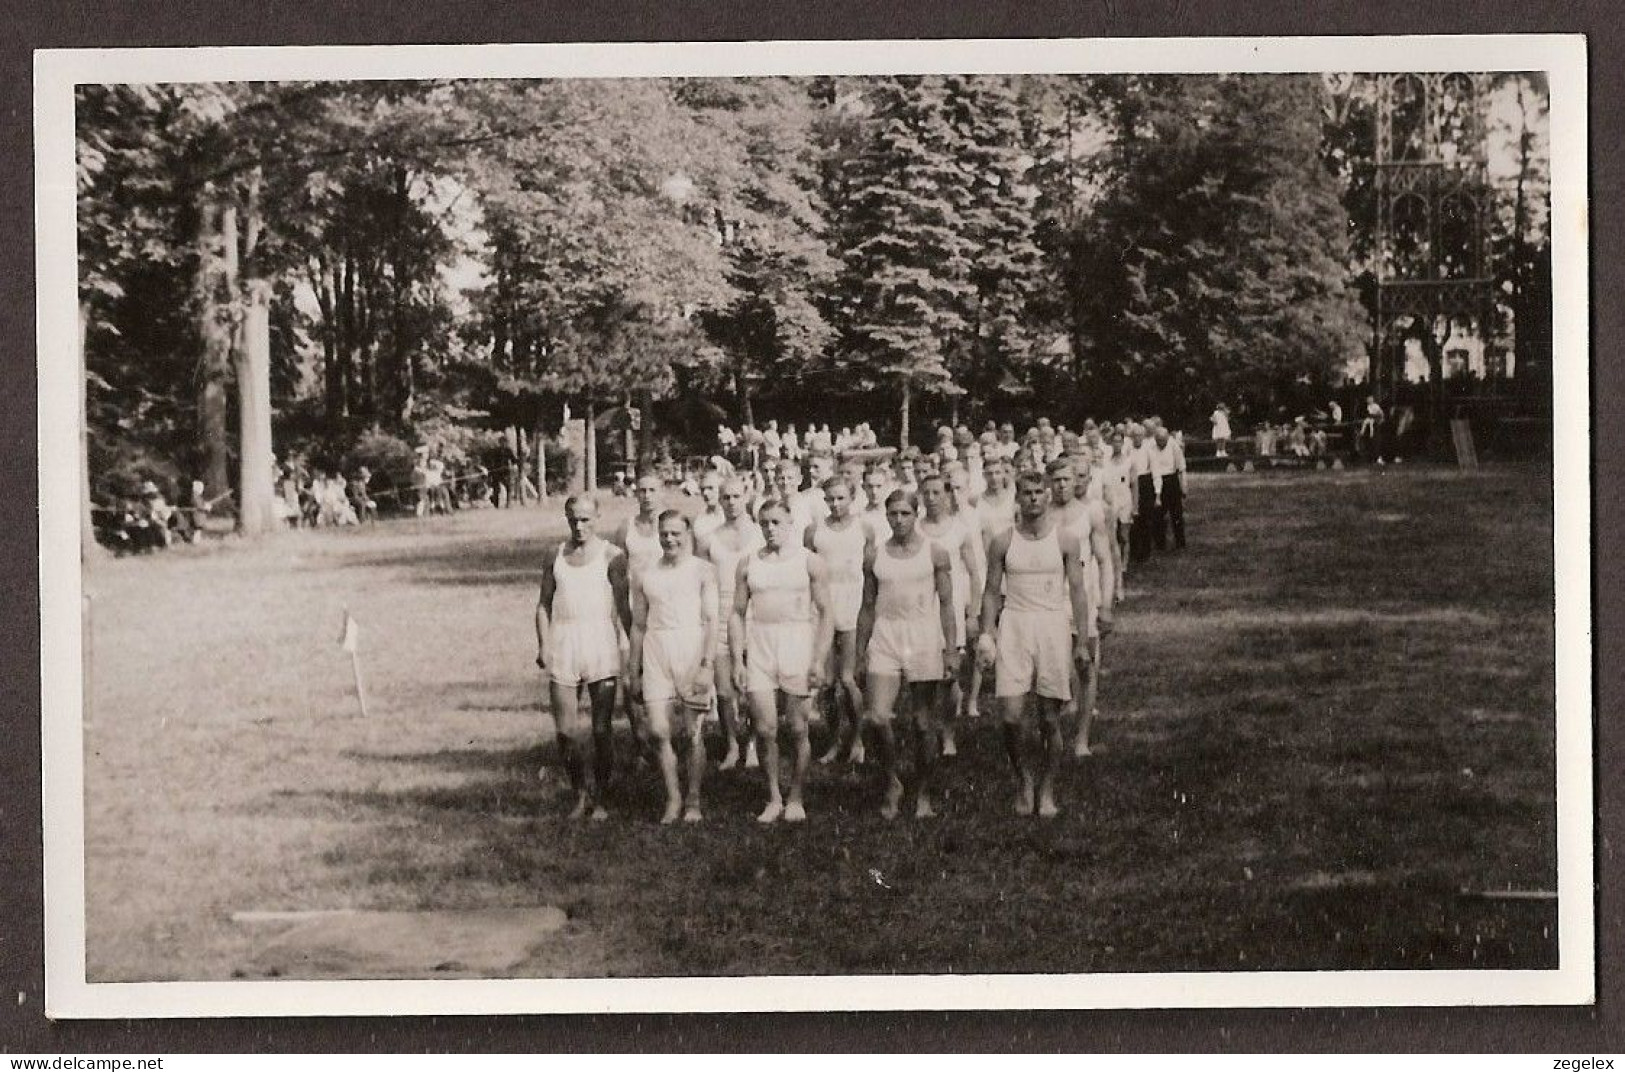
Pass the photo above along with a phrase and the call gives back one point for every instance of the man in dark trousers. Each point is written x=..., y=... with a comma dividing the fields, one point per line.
x=1145, y=494
x=1168, y=486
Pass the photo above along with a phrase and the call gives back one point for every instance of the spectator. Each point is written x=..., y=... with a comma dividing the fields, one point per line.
x=1221, y=430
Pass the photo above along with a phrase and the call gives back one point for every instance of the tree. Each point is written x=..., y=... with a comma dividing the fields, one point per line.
x=769, y=220
x=598, y=250
x=1217, y=255
x=906, y=260
x=996, y=215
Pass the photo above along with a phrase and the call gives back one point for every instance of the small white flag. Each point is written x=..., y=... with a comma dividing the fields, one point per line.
x=350, y=640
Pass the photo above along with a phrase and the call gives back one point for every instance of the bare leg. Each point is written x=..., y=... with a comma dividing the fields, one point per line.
x=728, y=710
x=601, y=695
x=1014, y=712
x=1091, y=693
x=927, y=699
x=765, y=714
x=796, y=710
x=1052, y=747
x=695, y=736
x=571, y=729
x=848, y=689
x=659, y=728
x=947, y=708
x=883, y=689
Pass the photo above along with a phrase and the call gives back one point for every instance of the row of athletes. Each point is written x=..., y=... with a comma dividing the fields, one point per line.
x=892, y=597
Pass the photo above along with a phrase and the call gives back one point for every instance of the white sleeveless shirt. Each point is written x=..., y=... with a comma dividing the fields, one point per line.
x=673, y=594
x=1035, y=574
x=583, y=593
x=906, y=588
x=842, y=550
x=780, y=588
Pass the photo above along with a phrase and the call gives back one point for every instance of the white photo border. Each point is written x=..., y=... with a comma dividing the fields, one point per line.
x=69, y=995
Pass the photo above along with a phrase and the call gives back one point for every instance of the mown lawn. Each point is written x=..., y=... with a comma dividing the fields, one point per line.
x=1322, y=722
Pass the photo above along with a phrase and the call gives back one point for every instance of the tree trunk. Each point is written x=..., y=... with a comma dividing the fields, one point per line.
x=903, y=436
x=87, y=526
x=256, y=458
x=591, y=449
x=215, y=330
x=746, y=410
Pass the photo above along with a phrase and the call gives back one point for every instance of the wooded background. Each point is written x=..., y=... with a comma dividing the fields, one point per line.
x=432, y=262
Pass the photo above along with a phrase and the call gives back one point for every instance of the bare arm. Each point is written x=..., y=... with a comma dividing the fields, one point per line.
x=1100, y=542
x=943, y=577
x=708, y=616
x=866, y=610
x=1072, y=558
x=993, y=590
x=640, y=625
x=544, y=608
x=973, y=567
x=824, y=627
x=618, y=584
x=736, y=619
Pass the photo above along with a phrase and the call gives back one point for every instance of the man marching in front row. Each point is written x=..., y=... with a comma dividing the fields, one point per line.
x=780, y=633
x=1035, y=591
x=674, y=621
x=904, y=631
x=583, y=592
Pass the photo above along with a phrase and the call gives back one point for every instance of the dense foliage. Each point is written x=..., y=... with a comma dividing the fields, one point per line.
x=477, y=255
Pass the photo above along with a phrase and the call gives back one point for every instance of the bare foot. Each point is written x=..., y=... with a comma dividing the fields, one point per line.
x=794, y=812
x=923, y=810
x=855, y=757
x=1047, y=808
x=1081, y=749
x=692, y=815
x=731, y=760
x=949, y=748
x=771, y=813
x=828, y=757
x=600, y=813
x=751, y=762
x=674, y=808
x=1024, y=799
x=580, y=808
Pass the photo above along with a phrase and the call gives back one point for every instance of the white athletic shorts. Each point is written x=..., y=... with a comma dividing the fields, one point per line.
x=583, y=652
x=910, y=648
x=845, y=600
x=671, y=657
x=1035, y=654
x=778, y=656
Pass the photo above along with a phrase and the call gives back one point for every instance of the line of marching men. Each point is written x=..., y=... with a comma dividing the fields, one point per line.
x=894, y=596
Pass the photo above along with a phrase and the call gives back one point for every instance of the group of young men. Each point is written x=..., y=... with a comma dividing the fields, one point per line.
x=888, y=595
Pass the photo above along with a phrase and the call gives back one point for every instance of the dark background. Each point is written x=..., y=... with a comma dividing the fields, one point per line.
x=23, y=1027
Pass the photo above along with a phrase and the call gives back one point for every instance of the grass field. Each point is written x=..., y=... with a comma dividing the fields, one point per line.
x=1322, y=722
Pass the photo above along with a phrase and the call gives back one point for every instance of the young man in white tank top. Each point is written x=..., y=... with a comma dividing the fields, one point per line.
x=951, y=533
x=904, y=632
x=710, y=515
x=1085, y=521
x=674, y=625
x=780, y=634
x=965, y=502
x=639, y=537
x=840, y=539
x=1035, y=591
x=876, y=486
x=578, y=644
x=733, y=540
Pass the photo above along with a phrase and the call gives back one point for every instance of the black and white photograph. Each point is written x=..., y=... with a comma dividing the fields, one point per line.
x=867, y=525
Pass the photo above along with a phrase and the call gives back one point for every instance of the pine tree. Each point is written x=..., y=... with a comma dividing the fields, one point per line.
x=906, y=279
x=996, y=212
